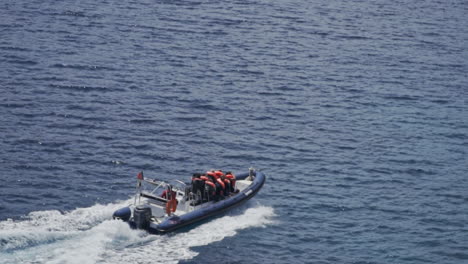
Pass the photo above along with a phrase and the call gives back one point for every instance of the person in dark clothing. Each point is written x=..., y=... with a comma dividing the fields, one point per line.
x=211, y=175
x=210, y=189
x=198, y=187
x=219, y=192
x=232, y=178
x=227, y=185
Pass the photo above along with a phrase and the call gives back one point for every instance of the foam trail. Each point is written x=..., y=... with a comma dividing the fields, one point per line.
x=48, y=226
x=172, y=249
x=35, y=238
x=87, y=235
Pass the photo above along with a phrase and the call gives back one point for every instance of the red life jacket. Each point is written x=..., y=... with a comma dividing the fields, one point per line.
x=197, y=179
x=204, y=178
x=228, y=185
x=219, y=173
x=227, y=181
x=172, y=195
x=210, y=183
x=232, y=178
x=211, y=173
x=218, y=180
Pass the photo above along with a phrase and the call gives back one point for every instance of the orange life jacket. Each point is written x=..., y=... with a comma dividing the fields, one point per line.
x=227, y=181
x=210, y=183
x=197, y=179
x=169, y=196
x=232, y=178
x=204, y=178
x=211, y=174
x=221, y=183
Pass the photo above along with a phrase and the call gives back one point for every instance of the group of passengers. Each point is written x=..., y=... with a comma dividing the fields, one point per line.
x=213, y=185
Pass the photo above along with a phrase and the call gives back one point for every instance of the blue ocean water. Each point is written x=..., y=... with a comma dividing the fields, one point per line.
x=357, y=112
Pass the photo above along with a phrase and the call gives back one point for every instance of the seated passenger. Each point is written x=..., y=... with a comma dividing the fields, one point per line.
x=227, y=184
x=215, y=176
x=232, y=178
x=211, y=175
x=219, y=190
x=198, y=187
x=210, y=190
x=205, y=195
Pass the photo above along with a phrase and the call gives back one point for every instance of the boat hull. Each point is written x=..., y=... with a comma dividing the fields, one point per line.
x=176, y=222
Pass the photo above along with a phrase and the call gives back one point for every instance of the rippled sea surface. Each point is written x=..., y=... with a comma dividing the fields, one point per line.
x=357, y=112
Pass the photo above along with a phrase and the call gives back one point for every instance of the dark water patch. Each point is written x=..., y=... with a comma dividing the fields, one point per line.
x=76, y=126
x=461, y=136
x=51, y=196
x=273, y=94
x=289, y=88
x=351, y=37
x=429, y=243
x=401, y=97
x=205, y=106
x=76, y=107
x=415, y=259
x=441, y=101
x=27, y=141
x=380, y=171
x=143, y=121
x=442, y=222
x=20, y=198
x=85, y=88
x=409, y=161
x=190, y=119
x=266, y=118
x=417, y=172
x=450, y=65
x=249, y=72
x=332, y=208
x=17, y=105
x=49, y=78
x=14, y=48
x=73, y=13
x=461, y=255
x=82, y=67
x=346, y=148
x=452, y=196
x=23, y=62
x=391, y=211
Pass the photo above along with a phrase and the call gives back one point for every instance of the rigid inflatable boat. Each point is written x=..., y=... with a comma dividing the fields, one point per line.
x=152, y=211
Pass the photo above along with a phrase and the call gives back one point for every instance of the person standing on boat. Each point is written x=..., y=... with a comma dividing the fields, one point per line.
x=170, y=196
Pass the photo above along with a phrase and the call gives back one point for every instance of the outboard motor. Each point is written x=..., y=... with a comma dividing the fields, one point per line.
x=123, y=214
x=142, y=216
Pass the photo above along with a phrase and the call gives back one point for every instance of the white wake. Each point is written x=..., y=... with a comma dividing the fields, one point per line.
x=88, y=235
